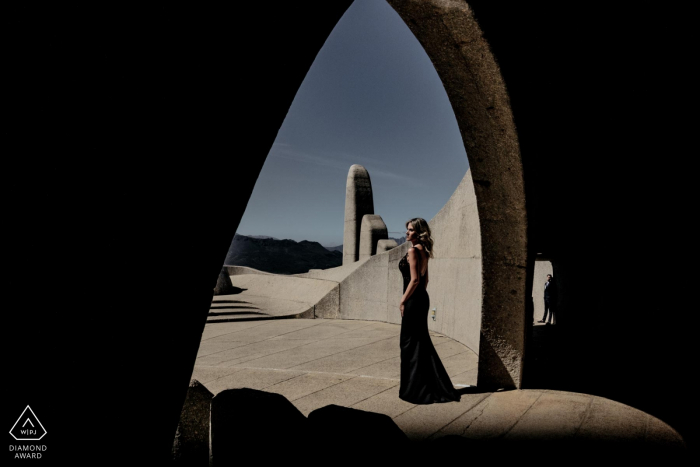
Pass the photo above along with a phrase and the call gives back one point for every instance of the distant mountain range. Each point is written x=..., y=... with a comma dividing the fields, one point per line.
x=399, y=241
x=280, y=256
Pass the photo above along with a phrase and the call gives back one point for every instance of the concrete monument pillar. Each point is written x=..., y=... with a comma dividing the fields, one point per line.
x=358, y=202
x=372, y=230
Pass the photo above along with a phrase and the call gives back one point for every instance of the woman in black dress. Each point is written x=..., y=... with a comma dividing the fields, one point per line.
x=423, y=377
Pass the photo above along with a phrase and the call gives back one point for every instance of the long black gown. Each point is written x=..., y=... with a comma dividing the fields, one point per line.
x=423, y=377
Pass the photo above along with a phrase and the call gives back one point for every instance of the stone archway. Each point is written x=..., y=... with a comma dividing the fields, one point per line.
x=451, y=37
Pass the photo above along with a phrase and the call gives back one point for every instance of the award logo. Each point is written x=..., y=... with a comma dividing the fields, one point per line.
x=28, y=428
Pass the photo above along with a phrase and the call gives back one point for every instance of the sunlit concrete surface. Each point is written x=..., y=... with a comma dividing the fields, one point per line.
x=268, y=296
x=317, y=362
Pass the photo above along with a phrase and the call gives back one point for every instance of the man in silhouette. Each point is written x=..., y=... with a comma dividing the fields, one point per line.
x=550, y=301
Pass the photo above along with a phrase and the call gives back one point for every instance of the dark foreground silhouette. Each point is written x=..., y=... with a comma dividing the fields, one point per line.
x=247, y=422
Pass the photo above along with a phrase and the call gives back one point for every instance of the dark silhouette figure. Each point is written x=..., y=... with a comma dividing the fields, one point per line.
x=423, y=377
x=550, y=301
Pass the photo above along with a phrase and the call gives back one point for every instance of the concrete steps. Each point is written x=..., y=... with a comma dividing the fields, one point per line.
x=232, y=308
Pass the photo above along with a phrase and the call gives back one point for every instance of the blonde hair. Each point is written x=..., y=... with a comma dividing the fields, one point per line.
x=420, y=226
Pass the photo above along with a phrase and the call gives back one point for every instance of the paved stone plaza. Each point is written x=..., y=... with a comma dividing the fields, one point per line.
x=317, y=362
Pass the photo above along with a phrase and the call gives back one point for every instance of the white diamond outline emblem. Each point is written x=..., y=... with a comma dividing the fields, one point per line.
x=20, y=418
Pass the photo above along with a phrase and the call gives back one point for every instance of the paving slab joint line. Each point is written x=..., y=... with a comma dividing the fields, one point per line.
x=346, y=350
x=284, y=380
x=303, y=345
x=376, y=394
x=462, y=413
x=278, y=335
x=380, y=361
x=322, y=389
x=353, y=375
x=585, y=417
x=442, y=343
x=233, y=332
x=520, y=417
x=647, y=421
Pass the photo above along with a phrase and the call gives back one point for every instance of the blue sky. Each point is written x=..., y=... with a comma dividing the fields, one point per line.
x=373, y=98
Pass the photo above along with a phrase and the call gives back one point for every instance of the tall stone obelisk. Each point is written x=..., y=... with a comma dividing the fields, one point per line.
x=358, y=202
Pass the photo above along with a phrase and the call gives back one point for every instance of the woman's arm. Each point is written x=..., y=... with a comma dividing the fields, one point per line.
x=426, y=278
x=415, y=277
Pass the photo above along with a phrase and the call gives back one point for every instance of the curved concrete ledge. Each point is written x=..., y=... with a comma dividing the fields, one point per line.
x=332, y=274
x=287, y=296
x=240, y=270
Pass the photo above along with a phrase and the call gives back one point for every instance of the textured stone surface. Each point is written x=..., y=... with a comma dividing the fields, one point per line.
x=343, y=368
x=329, y=305
x=223, y=283
x=372, y=230
x=191, y=446
x=363, y=293
x=386, y=245
x=358, y=202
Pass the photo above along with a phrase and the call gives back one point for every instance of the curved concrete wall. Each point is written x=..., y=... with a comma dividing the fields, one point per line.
x=455, y=274
x=240, y=270
x=374, y=289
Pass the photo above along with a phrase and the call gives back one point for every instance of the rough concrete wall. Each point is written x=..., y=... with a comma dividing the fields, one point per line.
x=372, y=230
x=455, y=273
x=542, y=268
x=329, y=306
x=373, y=291
x=363, y=293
